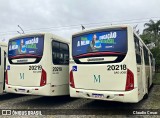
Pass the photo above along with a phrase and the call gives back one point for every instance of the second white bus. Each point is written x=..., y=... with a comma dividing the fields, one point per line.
x=110, y=63
x=38, y=64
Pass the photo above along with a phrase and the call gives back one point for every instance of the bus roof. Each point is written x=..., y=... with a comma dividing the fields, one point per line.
x=41, y=33
x=3, y=44
x=101, y=28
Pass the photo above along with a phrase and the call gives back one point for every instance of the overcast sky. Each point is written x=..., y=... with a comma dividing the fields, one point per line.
x=64, y=17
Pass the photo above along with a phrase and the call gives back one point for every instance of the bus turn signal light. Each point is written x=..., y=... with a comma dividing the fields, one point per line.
x=6, y=77
x=71, y=80
x=43, y=78
x=129, y=81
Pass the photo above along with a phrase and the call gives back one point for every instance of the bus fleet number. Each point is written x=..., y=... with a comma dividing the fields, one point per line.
x=116, y=67
x=57, y=68
x=39, y=67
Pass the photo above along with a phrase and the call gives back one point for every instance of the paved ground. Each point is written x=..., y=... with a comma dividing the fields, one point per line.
x=74, y=106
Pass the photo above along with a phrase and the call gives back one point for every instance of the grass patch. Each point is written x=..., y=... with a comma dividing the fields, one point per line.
x=156, y=79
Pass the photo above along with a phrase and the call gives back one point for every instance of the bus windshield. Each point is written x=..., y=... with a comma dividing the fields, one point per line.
x=114, y=40
x=26, y=47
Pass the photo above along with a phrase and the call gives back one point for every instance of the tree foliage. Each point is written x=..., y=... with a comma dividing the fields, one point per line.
x=151, y=34
x=147, y=38
x=152, y=31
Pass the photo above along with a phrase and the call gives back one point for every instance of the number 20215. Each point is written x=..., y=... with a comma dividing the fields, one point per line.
x=116, y=67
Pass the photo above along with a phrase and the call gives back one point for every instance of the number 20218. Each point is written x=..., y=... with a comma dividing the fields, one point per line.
x=39, y=67
x=116, y=67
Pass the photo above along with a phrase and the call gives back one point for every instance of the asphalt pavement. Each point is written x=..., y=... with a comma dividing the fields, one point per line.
x=75, y=107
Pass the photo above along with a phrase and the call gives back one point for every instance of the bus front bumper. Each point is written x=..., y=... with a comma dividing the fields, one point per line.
x=124, y=96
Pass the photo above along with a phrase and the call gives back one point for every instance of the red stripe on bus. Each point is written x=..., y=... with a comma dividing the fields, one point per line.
x=23, y=56
x=99, y=53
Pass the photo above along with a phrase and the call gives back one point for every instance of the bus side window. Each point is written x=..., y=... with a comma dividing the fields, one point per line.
x=151, y=57
x=146, y=55
x=137, y=50
x=60, y=53
x=64, y=49
x=55, y=52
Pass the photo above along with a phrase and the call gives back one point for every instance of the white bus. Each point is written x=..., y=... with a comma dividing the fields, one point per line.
x=38, y=64
x=110, y=63
x=3, y=50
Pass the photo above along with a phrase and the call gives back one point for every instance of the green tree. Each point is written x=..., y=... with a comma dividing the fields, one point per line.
x=156, y=53
x=147, y=38
x=153, y=28
x=151, y=34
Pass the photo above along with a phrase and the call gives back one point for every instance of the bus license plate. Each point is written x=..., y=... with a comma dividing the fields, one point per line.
x=97, y=95
x=21, y=90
